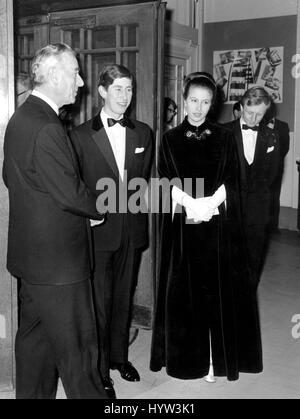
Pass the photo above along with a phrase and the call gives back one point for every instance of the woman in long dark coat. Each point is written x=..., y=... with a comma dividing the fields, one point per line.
x=206, y=309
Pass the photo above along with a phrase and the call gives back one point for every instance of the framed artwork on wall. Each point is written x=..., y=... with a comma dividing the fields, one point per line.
x=238, y=70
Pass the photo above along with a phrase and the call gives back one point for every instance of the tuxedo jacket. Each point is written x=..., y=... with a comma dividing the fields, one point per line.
x=48, y=202
x=256, y=179
x=283, y=131
x=97, y=161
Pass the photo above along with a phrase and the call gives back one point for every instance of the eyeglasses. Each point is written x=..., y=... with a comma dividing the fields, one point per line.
x=171, y=110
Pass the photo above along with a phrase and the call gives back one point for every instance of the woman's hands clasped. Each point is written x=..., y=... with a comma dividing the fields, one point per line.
x=199, y=209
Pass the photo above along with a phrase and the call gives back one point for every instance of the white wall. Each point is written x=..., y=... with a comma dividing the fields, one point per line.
x=227, y=10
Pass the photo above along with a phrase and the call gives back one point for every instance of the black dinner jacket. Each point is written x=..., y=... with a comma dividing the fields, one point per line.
x=283, y=131
x=97, y=161
x=48, y=235
x=256, y=179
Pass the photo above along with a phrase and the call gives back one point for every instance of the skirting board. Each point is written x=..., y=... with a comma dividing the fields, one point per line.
x=142, y=317
x=288, y=218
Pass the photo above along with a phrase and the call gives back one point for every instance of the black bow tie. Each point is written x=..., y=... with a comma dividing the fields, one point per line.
x=111, y=122
x=244, y=126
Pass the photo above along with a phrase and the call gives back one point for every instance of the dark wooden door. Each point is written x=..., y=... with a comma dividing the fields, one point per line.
x=131, y=35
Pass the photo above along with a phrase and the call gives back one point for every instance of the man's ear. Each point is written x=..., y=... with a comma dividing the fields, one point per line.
x=53, y=76
x=102, y=92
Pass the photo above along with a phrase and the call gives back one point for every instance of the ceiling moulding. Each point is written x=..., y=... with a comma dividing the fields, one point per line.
x=33, y=7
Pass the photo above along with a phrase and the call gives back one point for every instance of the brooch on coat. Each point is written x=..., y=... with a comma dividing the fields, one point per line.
x=201, y=136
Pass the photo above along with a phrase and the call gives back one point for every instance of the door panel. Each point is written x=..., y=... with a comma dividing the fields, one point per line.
x=120, y=34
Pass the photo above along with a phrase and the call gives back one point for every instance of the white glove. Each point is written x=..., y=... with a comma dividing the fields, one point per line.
x=218, y=197
x=191, y=215
x=196, y=209
x=201, y=207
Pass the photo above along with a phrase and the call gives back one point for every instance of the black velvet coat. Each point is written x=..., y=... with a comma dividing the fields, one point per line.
x=203, y=287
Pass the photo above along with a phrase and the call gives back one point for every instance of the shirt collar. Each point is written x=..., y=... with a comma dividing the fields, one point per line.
x=46, y=99
x=104, y=116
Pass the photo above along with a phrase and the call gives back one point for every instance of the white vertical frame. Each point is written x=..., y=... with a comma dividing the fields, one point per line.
x=295, y=144
x=8, y=292
x=199, y=20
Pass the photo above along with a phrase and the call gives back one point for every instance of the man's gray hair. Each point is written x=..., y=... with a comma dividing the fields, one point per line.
x=42, y=59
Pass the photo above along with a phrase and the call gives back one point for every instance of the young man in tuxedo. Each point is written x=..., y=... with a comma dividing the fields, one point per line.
x=258, y=155
x=48, y=245
x=114, y=147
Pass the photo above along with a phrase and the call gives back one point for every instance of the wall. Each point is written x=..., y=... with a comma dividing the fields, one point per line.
x=230, y=10
x=7, y=285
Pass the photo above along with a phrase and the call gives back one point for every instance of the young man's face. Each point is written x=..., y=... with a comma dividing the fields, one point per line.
x=253, y=114
x=117, y=97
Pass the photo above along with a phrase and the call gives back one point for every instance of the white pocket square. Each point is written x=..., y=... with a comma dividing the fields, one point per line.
x=139, y=150
x=270, y=149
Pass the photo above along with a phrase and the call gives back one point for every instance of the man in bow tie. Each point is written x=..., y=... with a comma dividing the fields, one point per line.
x=110, y=145
x=258, y=155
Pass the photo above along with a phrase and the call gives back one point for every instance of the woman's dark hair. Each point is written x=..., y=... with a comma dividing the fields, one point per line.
x=236, y=107
x=112, y=72
x=199, y=79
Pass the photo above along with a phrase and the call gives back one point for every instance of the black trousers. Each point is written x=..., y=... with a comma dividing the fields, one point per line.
x=275, y=202
x=114, y=283
x=57, y=338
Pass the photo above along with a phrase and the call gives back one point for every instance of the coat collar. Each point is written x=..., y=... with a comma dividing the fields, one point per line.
x=38, y=101
x=237, y=132
x=97, y=123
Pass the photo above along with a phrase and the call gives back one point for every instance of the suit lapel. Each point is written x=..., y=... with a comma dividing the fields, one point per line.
x=240, y=147
x=131, y=144
x=102, y=141
x=261, y=147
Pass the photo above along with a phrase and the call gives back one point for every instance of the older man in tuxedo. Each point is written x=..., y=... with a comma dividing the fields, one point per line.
x=258, y=154
x=114, y=147
x=48, y=246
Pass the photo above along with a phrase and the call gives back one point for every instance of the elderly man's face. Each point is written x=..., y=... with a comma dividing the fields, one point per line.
x=253, y=114
x=70, y=79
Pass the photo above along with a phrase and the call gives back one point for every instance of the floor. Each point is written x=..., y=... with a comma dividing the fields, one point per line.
x=279, y=298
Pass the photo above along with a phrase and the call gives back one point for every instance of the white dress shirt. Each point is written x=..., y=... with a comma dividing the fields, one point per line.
x=249, y=142
x=117, y=138
x=46, y=99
